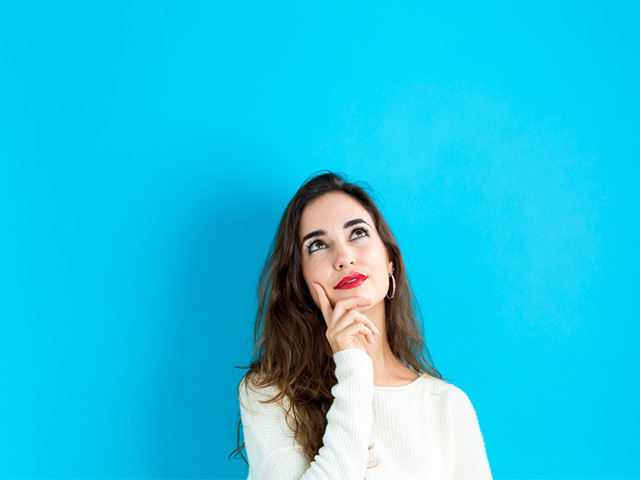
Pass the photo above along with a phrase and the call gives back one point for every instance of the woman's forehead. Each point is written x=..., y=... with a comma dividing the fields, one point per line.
x=332, y=210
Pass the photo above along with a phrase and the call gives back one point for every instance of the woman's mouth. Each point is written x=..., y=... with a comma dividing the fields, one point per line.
x=351, y=281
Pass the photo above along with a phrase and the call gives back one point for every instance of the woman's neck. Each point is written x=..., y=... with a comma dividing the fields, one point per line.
x=388, y=370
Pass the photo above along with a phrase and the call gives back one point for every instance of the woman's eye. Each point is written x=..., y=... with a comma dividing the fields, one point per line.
x=359, y=232
x=317, y=245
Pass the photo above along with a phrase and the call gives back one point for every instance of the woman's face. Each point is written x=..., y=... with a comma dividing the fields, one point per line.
x=342, y=251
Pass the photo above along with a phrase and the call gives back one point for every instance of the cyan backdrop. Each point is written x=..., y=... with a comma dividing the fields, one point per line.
x=148, y=149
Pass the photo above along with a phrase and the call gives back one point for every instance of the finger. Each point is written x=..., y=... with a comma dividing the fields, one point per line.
x=343, y=306
x=350, y=337
x=354, y=316
x=359, y=328
x=325, y=304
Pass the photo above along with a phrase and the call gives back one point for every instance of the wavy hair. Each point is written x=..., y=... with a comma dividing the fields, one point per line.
x=291, y=350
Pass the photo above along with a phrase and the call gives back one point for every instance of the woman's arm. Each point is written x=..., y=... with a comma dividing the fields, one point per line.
x=274, y=454
x=471, y=461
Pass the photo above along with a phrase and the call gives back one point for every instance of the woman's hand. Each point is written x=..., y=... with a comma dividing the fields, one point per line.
x=344, y=323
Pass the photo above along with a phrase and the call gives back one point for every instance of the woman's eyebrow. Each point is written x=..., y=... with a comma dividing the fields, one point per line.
x=355, y=221
x=318, y=233
x=315, y=233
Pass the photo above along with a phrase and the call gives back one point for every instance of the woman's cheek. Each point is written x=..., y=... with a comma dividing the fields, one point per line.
x=314, y=294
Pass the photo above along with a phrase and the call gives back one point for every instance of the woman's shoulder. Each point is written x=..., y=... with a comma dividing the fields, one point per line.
x=435, y=391
x=254, y=393
x=439, y=386
x=254, y=385
x=453, y=395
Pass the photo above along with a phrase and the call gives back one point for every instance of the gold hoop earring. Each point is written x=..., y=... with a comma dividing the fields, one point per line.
x=393, y=292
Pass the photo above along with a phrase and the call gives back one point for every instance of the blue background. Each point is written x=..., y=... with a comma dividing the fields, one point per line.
x=148, y=149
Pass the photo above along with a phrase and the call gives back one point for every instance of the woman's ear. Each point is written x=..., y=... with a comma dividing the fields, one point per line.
x=390, y=268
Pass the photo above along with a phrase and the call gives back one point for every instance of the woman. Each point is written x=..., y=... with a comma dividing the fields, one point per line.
x=342, y=386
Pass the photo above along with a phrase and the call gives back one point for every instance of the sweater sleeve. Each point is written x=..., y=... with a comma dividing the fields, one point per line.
x=271, y=448
x=470, y=462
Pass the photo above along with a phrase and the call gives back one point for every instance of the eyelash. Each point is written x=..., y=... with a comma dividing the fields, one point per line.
x=366, y=234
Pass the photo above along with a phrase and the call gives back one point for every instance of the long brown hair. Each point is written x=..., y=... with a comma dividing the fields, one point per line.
x=291, y=350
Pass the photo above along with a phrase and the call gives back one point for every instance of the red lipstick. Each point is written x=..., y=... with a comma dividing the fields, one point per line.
x=351, y=281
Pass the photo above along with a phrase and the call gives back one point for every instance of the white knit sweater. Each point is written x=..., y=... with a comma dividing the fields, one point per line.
x=425, y=430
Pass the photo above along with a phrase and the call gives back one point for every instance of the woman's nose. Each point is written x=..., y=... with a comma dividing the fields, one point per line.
x=344, y=258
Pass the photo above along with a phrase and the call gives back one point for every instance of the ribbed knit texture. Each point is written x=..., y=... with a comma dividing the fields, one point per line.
x=425, y=430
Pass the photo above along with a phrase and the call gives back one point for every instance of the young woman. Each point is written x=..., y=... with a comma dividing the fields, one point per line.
x=342, y=386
